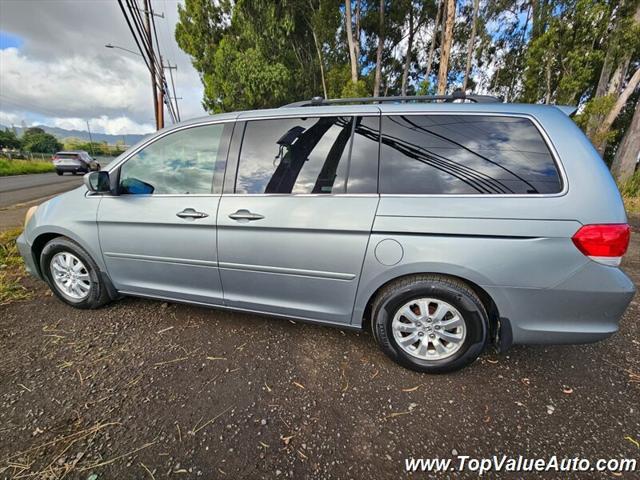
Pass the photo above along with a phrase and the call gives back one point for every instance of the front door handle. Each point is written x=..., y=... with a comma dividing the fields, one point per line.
x=245, y=215
x=191, y=213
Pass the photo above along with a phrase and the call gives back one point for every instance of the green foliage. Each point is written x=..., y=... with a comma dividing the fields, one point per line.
x=256, y=54
x=9, y=140
x=563, y=62
x=36, y=140
x=594, y=108
x=261, y=54
x=93, y=148
x=244, y=80
x=21, y=167
x=355, y=90
x=11, y=268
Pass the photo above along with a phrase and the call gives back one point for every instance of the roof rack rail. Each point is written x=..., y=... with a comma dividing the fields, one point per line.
x=457, y=95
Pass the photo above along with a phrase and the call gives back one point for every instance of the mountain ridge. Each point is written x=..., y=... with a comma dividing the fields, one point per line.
x=62, y=133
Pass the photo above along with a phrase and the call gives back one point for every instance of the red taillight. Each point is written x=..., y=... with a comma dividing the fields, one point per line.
x=606, y=243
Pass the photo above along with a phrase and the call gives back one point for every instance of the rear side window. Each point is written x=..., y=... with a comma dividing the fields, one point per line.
x=310, y=155
x=465, y=154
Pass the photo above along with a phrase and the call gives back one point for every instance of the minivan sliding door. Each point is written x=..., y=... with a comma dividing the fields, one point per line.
x=293, y=231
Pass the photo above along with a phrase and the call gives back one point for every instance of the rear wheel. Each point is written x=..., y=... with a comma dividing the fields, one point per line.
x=58, y=172
x=72, y=274
x=430, y=323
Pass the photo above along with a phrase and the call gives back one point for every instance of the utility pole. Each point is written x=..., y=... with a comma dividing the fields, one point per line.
x=170, y=67
x=157, y=107
x=90, y=139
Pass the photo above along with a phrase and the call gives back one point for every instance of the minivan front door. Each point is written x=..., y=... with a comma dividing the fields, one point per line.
x=158, y=237
x=293, y=232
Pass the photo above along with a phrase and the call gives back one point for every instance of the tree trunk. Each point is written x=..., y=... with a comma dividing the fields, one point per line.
x=352, y=49
x=628, y=154
x=358, y=15
x=376, y=83
x=472, y=41
x=324, y=83
x=434, y=38
x=609, y=83
x=407, y=60
x=447, y=40
x=615, y=111
x=547, y=96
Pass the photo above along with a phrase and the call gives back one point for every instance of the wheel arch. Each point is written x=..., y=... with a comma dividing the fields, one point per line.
x=41, y=240
x=487, y=301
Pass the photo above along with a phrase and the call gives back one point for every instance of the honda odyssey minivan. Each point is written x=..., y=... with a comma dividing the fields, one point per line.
x=445, y=225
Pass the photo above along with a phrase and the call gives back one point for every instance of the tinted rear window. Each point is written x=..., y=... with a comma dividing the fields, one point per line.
x=465, y=154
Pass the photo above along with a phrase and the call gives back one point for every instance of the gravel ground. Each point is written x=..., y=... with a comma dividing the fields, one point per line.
x=144, y=389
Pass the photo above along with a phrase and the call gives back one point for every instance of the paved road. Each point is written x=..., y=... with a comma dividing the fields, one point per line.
x=26, y=188
x=18, y=189
x=19, y=192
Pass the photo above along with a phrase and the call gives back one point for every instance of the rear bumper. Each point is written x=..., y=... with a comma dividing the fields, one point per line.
x=72, y=168
x=27, y=255
x=584, y=308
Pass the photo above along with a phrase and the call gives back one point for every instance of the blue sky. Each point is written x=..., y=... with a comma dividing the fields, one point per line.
x=8, y=40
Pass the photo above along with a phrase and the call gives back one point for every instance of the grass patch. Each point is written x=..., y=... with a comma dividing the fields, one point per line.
x=20, y=167
x=11, y=268
x=632, y=205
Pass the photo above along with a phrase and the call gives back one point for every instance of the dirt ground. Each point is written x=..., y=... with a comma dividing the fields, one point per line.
x=144, y=389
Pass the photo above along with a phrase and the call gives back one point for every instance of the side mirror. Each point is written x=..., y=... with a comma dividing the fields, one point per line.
x=97, y=182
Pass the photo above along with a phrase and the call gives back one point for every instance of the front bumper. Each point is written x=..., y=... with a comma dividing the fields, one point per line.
x=584, y=308
x=27, y=255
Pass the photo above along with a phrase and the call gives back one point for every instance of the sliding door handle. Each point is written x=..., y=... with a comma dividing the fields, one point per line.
x=191, y=213
x=245, y=215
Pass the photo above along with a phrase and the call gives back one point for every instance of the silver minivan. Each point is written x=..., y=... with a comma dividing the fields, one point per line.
x=445, y=226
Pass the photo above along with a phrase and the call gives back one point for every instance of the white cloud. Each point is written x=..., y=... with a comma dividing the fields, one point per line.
x=74, y=85
x=8, y=118
x=103, y=124
x=64, y=74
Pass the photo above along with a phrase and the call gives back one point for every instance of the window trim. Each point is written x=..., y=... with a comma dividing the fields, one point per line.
x=543, y=133
x=236, y=160
x=113, y=167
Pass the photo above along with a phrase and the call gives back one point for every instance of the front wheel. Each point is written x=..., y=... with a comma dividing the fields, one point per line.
x=430, y=323
x=72, y=274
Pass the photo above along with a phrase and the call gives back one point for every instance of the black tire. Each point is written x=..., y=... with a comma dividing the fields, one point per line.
x=74, y=173
x=98, y=294
x=453, y=291
x=58, y=172
x=97, y=167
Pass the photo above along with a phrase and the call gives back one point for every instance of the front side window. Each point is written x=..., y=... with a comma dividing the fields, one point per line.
x=301, y=156
x=465, y=154
x=183, y=162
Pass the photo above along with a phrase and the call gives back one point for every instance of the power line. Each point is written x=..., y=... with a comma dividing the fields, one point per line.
x=166, y=96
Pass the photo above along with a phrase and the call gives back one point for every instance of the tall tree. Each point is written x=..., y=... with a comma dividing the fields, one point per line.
x=351, y=42
x=378, y=74
x=434, y=38
x=628, y=153
x=407, y=59
x=447, y=41
x=601, y=137
x=621, y=43
x=472, y=42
